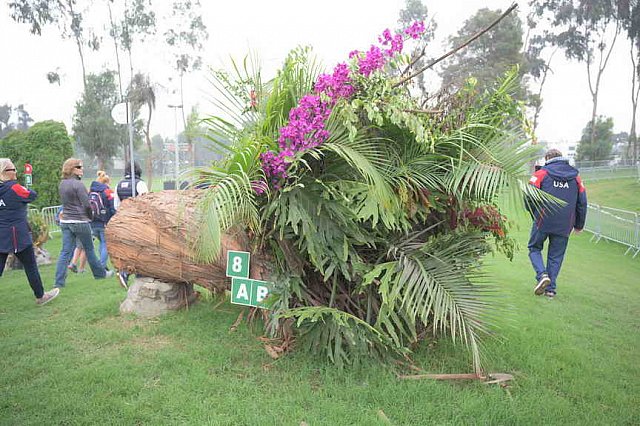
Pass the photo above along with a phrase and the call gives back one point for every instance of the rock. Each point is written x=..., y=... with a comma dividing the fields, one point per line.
x=42, y=256
x=150, y=297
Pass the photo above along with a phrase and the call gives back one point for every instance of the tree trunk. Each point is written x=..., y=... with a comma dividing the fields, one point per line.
x=635, y=91
x=150, y=236
x=150, y=148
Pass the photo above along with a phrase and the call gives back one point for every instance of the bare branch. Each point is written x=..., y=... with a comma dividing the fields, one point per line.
x=462, y=46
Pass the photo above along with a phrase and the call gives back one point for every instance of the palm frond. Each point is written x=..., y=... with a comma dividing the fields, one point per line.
x=435, y=283
x=229, y=199
x=342, y=337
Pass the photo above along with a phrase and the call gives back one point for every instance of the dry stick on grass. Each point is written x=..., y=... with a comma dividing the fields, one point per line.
x=237, y=322
x=456, y=49
x=495, y=377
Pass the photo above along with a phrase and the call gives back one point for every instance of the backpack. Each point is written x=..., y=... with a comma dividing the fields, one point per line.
x=98, y=210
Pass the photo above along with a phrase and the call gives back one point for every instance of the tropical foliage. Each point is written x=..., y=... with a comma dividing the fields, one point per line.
x=373, y=211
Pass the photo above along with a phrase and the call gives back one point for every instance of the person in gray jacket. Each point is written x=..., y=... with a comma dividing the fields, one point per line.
x=75, y=222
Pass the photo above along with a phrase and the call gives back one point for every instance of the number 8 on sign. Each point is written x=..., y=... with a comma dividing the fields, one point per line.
x=238, y=264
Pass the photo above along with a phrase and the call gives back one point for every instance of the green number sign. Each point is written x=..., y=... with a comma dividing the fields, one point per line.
x=238, y=264
x=241, y=289
x=261, y=290
x=249, y=292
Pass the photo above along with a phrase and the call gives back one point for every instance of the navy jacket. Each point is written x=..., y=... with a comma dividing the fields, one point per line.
x=562, y=181
x=107, y=200
x=15, y=234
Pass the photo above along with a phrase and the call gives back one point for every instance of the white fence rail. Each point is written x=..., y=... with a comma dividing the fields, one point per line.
x=591, y=172
x=617, y=225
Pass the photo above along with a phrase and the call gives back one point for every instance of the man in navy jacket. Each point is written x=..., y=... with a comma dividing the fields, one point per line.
x=555, y=222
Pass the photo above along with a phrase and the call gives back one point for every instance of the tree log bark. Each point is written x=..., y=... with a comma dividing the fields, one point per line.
x=151, y=235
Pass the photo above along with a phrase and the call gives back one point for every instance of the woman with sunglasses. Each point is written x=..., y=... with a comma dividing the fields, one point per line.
x=15, y=235
x=76, y=222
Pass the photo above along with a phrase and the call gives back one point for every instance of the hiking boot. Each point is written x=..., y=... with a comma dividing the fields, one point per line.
x=73, y=268
x=48, y=296
x=123, y=278
x=550, y=294
x=543, y=282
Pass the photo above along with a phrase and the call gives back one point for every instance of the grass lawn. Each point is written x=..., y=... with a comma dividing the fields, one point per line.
x=618, y=193
x=78, y=361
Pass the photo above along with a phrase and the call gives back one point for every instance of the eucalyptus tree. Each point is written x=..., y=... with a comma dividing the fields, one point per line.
x=490, y=56
x=597, y=149
x=587, y=32
x=67, y=15
x=415, y=10
x=93, y=126
x=185, y=34
x=137, y=23
x=629, y=12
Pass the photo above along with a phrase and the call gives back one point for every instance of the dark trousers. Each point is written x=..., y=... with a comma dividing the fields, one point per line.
x=555, y=254
x=28, y=259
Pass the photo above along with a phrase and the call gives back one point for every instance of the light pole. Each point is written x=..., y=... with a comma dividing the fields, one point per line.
x=176, y=147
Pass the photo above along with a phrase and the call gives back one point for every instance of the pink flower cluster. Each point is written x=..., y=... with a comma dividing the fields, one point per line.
x=415, y=30
x=306, y=127
x=337, y=85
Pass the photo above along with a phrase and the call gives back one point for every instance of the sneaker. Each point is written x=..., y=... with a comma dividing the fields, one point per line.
x=550, y=294
x=73, y=268
x=123, y=277
x=108, y=274
x=48, y=296
x=543, y=282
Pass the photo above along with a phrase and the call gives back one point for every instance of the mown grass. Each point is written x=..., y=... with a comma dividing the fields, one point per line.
x=618, y=193
x=78, y=361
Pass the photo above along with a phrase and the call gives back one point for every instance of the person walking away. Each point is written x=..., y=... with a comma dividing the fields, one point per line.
x=75, y=222
x=15, y=235
x=555, y=222
x=124, y=190
x=102, y=195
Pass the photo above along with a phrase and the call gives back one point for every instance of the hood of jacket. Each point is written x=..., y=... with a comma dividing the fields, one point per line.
x=560, y=169
x=98, y=187
x=6, y=186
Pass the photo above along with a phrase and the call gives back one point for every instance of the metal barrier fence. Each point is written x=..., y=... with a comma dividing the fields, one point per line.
x=49, y=216
x=617, y=225
x=591, y=173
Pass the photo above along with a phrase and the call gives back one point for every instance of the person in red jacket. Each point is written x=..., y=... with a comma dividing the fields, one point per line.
x=555, y=222
x=15, y=235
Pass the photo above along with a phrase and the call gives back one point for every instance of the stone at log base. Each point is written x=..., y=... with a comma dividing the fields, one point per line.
x=150, y=297
x=42, y=258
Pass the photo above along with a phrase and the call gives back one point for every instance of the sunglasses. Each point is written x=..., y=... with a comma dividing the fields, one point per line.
x=78, y=167
x=9, y=170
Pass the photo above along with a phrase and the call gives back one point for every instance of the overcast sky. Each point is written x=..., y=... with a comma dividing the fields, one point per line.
x=272, y=28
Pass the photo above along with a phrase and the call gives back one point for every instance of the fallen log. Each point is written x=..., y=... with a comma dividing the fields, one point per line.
x=150, y=236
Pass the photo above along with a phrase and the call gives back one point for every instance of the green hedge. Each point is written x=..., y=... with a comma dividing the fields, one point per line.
x=45, y=145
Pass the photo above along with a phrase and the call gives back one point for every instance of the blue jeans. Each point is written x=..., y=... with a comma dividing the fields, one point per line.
x=28, y=259
x=555, y=255
x=98, y=232
x=81, y=231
